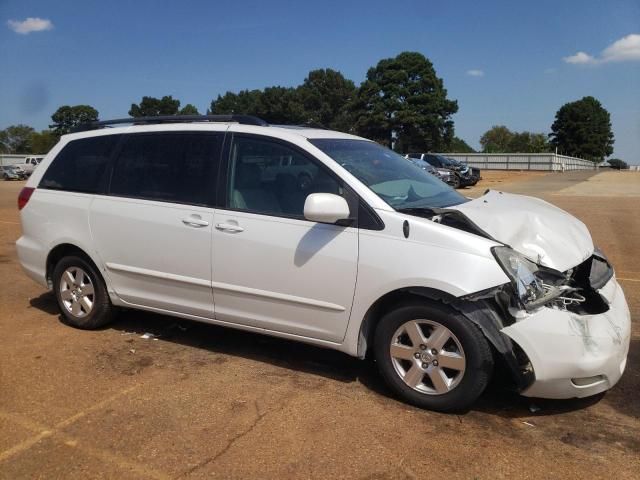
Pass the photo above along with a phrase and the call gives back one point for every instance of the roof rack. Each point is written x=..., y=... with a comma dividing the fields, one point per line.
x=243, y=119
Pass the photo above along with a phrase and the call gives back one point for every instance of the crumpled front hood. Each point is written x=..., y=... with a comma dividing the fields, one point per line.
x=544, y=233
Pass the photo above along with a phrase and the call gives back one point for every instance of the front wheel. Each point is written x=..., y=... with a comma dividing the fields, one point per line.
x=81, y=294
x=455, y=181
x=433, y=357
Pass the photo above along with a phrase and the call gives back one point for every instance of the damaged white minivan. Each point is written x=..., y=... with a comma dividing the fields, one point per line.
x=325, y=238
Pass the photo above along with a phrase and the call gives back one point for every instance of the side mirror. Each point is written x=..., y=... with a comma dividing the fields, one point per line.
x=325, y=208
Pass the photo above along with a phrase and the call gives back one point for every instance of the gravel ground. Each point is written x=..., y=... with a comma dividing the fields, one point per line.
x=207, y=402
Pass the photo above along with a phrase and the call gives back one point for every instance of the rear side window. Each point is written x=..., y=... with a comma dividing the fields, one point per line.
x=81, y=165
x=169, y=167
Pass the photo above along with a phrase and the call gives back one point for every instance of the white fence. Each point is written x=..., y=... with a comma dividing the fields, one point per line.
x=522, y=161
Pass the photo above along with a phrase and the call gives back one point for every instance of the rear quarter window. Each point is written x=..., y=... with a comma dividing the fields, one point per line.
x=81, y=165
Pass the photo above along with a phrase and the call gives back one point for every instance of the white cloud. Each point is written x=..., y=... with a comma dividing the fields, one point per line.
x=475, y=73
x=29, y=25
x=580, y=58
x=624, y=50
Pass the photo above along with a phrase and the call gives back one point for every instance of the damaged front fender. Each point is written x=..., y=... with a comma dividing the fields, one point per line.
x=487, y=311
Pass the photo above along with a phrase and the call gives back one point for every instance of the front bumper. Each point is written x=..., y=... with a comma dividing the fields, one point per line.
x=468, y=179
x=575, y=355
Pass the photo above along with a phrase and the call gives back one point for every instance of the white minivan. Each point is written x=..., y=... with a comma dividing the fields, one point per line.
x=206, y=218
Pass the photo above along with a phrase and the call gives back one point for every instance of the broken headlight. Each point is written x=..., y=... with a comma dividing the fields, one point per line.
x=522, y=273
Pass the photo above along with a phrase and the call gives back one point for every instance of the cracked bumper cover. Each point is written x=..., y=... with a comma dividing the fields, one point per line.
x=575, y=355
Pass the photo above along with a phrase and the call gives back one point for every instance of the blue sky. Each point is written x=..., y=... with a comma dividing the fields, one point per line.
x=525, y=54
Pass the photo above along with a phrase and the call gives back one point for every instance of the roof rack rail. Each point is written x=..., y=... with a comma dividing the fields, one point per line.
x=243, y=119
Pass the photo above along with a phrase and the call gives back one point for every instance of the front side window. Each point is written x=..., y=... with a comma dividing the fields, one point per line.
x=397, y=181
x=169, y=167
x=81, y=165
x=271, y=178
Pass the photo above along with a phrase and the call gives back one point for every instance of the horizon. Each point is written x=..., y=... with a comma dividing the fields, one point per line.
x=501, y=70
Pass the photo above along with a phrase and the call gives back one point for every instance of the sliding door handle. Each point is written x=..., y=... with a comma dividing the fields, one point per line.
x=195, y=221
x=229, y=227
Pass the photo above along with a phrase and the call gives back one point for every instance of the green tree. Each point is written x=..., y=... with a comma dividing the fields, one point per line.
x=325, y=96
x=244, y=102
x=189, y=109
x=496, y=140
x=16, y=139
x=402, y=103
x=153, y=107
x=273, y=105
x=458, y=145
x=4, y=148
x=583, y=129
x=68, y=117
x=618, y=164
x=539, y=143
x=499, y=139
x=42, y=142
x=527, y=142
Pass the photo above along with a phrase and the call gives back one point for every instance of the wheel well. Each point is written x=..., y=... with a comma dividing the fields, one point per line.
x=388, y=302
x=61, y=251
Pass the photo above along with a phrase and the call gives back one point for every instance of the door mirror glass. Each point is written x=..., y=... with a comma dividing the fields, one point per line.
x=325, y=208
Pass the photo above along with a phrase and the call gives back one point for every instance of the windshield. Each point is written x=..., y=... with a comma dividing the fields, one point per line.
x=397, y=181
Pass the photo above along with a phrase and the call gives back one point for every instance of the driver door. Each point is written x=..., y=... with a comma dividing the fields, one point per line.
x=273, y=269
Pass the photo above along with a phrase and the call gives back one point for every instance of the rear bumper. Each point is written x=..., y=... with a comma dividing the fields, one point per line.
x=575, y=355
x=32, y=257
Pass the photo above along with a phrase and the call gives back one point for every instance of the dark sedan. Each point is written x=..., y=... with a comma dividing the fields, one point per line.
x=465, y=176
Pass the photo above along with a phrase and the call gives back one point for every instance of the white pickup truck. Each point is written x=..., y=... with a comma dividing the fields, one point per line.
x=29, y=164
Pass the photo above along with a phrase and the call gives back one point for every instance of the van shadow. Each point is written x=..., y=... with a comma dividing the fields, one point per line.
x=497, y=400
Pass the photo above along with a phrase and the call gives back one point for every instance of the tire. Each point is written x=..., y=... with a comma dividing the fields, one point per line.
x=81, y=294
x=455, y=183
x=466, y=353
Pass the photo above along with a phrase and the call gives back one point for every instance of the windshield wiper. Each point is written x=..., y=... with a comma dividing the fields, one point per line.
x=411, y=210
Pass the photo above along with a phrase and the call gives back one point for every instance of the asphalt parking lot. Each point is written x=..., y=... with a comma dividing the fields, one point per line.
x=198, y=401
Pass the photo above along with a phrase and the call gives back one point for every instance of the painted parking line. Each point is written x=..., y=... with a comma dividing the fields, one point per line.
x=45, y=432
x=9, y=223
x=29, y=442
x=628, y=279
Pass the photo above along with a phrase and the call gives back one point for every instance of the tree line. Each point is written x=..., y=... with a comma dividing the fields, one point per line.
x=402, y=104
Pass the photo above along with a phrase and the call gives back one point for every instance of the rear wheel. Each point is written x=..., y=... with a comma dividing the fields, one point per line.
x=81, y=294
x=433, y=357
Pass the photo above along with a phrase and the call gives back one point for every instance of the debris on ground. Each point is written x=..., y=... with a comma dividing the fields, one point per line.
x=534, y=408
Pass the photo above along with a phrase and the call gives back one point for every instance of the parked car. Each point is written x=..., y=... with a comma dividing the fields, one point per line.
x=12, y=172
x=447, y=176
x=30, y=164
x=465, y=176
x=374, y=256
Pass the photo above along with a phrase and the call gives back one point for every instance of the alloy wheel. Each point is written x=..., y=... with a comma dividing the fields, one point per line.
x=427, y=356
x=77, y=292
